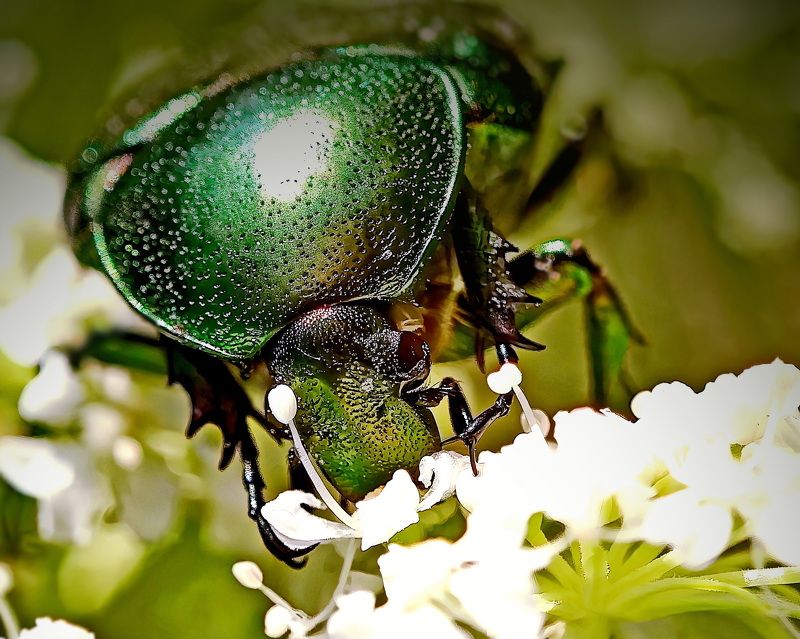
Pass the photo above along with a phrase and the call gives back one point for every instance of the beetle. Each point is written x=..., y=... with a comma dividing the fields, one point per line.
x=308, y=217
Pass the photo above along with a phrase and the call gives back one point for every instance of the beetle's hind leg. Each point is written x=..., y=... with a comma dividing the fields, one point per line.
x=559, y=271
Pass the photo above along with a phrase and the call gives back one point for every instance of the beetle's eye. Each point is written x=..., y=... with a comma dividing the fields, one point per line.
x=413, y=355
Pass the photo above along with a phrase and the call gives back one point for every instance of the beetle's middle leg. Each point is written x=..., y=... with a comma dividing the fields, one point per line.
x=218, y=398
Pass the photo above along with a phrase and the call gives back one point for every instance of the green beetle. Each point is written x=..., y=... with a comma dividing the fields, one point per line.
x=305, y=216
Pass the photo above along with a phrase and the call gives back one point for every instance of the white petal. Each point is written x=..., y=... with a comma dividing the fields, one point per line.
x=298, y=528
x=415, y=574
x=46, y=628
x=502, y=606
x=776, y=525
x=354, y=617
x=72, y=514
x=439, y=473
x=52, y=396
x=699, y=532
x=34, y=466
x=392, y=510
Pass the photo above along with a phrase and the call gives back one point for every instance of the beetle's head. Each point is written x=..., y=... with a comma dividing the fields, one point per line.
x=352, y=372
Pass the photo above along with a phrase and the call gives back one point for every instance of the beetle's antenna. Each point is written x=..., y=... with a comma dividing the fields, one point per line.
x=282, y=403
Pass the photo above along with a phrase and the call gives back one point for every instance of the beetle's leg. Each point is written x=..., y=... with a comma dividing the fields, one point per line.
x=135, y=351
x=214, y=392
x=562, y=165
x=216, y=398
x=558, y=271
x=556, y=174
x=467, y=428
x=254, y=485
x=491, y=295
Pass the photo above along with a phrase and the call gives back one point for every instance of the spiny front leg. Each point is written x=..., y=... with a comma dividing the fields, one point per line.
x=491, y=296
x=468, y=429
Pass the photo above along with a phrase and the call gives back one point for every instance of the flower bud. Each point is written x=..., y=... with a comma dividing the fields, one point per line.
x=248, y=574
x=282, y=403
x=502, y=381
x=277, y=620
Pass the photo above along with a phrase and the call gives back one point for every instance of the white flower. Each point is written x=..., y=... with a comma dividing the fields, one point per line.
x=734, y=448
x=34, y=467
x=598, y=455
x=413, y=575
x=698, y=530
x=71, y=514
x=499, y=598
x=481, y=581
x=33, y=195
x=732, y=409
x=102, y=425
x=54, y=395
x=54, y=309
x=693, y=434
x=357, y=618
x=376, y=518
x=46, y=628
x=439, y=473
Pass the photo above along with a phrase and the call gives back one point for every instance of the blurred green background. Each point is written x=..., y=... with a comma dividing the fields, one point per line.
x=691, y=202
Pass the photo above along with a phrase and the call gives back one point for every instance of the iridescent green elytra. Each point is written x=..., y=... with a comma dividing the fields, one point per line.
x=294, y=216
x=237, y=207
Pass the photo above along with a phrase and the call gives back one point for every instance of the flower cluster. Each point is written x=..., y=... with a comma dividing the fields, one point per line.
x=609, y=520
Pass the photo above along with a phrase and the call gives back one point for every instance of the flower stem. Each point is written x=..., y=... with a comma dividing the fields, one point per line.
x=275, y=598
x=8, y=619
x=322, y=489
x=344, y=573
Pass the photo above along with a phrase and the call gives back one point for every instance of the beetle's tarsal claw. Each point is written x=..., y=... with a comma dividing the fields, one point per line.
x=473, y=456
x=228, y=452
x=480, y=351
x=529, y=345
x=194, y=426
